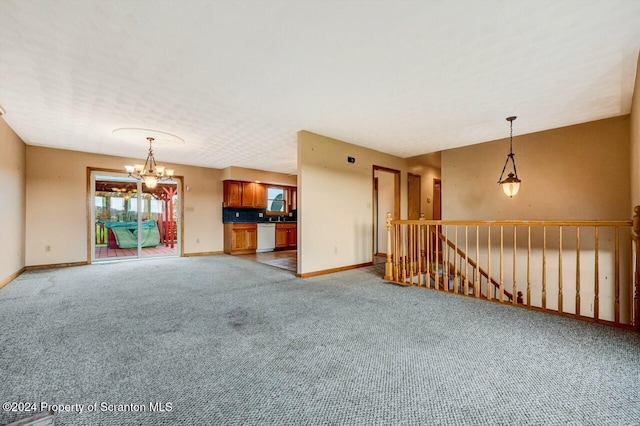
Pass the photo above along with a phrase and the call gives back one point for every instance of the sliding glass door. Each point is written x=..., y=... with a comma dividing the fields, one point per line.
x=131, y=220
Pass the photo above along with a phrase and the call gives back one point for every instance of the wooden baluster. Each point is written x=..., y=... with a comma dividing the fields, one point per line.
x=410, y=250
x=514, y=293
x=489, y=286
x=428, y=265
x=388, y=266
x=437, y=259
x=596, y=290
x=560, y=269
x=476, y=280
x=445, y=259
x=578, y=270
x=529, y=266
x=422, y=244
x=501, y=264
x=400, y=258
x=616, y=278
x=396, y=254
x=544, y=267
x=456, y=281
x=420, y=233
x=466, y=263
x=415, y=252
x=404, y=254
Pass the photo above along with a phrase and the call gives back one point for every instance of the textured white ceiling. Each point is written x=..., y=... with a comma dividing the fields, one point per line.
x=237, y=79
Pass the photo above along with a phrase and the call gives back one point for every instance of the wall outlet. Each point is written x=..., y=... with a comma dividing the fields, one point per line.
x=237, y=214
x=189, y=209
x=197, y=240
x=47, y=248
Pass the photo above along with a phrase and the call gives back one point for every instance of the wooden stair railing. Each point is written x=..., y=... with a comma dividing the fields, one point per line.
x=436, y=254
x=594, y=278
x=474, y=264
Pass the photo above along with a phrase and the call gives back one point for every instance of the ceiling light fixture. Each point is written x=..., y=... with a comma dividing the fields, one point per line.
x=149, y=172
x=511, y=184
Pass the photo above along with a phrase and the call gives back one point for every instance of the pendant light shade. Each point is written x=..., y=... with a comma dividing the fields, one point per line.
x=511, y=185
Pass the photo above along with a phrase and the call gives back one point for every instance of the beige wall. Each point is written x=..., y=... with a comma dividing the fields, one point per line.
x=56, y=199
x=428, y=167
x=12, y=207
x=575, y=172
x=635, y=140
x=252, y=175
x=335, y=214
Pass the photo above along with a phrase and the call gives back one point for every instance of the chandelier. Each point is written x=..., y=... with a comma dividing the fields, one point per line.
x=511, y=184
x=149, y=172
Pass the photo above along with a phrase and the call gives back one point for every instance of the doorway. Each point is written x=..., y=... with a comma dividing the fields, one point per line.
x=129, y=220
x=414, y=198
x=386, y=198
x=437, y=199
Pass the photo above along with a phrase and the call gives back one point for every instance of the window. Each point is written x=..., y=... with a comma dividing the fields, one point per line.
x=276, y=200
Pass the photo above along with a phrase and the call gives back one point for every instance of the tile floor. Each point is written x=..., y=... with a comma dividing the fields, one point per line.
x=287, y=259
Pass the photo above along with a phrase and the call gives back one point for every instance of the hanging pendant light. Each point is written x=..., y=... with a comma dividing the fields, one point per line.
x=149, y=172
x=511, y=184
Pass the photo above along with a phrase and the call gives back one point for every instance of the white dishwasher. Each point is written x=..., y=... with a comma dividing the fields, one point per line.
x=266, y=237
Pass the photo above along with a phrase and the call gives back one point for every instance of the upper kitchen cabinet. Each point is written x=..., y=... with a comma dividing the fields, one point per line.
x=293, y=198
x=244, y=194
x=232, y=193
x=254, y=195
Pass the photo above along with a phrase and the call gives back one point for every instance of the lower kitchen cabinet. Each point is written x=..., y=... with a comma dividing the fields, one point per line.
x=286, y=235
x=240, y=238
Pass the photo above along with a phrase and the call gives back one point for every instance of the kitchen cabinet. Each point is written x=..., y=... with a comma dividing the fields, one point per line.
x=232, y=193
x=286, y=235
x=244, y=194
x=293, y=198
x=254, y=195
x=240, y=238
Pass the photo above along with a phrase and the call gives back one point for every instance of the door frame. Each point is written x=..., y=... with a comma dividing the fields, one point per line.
x=397, y=175
x=91, y=229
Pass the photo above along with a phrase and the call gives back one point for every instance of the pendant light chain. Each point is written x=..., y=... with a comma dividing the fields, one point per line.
x=511, y=137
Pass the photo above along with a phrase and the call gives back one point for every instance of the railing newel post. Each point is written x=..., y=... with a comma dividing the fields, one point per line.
x=636, y=280
x=578, y=270
x=596, y=276
x=388, y=266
